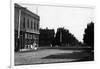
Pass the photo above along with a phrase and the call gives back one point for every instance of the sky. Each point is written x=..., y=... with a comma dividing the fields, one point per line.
x=75, y=19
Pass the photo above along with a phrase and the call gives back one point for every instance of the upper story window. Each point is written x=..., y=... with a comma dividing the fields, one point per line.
x=34, y=24
x=37, y=26
x=28, y=23
x=24, y=22
x=31, y=24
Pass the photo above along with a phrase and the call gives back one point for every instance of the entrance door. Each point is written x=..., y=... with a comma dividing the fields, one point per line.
x=22, y=40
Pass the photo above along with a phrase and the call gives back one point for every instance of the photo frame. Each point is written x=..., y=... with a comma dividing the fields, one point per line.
x=51, y=56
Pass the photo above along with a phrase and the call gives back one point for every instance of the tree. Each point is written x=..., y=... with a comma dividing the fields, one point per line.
x=89, y=35
x=63, y=37
x=46, y=37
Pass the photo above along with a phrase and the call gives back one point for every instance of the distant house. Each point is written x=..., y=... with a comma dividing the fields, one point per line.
x=26, y=27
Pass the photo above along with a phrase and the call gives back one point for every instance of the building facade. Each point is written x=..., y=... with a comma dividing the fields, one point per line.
x=26, y=27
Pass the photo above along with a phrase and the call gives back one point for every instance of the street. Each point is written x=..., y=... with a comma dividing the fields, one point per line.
x=47, y=56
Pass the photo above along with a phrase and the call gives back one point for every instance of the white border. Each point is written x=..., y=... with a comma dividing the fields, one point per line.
x=12, y=36
x=45, y=66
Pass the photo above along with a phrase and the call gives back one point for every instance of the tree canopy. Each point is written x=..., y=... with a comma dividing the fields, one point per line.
x=63, y=37
x=89, y=35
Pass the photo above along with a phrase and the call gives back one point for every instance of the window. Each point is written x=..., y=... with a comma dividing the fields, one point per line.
x=25, y=35
x=31, y=24
x=28, y=23
x=37, y=26
x=34, y=25
x=24, y=22
x=28, y=36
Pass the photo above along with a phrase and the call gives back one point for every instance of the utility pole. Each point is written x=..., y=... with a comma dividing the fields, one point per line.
x=19, y=46
x=60, y=36
x=37, y=9
x=19, y=24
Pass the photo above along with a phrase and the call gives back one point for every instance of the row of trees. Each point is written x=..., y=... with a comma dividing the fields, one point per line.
x=63, y=37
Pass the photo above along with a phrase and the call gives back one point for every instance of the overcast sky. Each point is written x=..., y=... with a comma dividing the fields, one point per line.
x=74, y=19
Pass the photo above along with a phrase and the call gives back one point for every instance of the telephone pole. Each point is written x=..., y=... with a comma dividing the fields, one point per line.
x=37, y=9
x=19, y=24
x=60, y=36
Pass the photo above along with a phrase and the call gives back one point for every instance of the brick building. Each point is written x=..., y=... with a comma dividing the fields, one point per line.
x=26, y=27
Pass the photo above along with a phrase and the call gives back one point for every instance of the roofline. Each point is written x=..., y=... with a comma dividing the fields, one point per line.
x=20, y=7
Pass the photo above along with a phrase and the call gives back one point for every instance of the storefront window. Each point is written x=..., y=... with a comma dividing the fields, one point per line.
x=26, y=36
